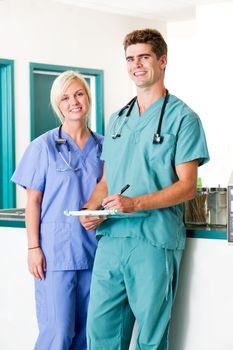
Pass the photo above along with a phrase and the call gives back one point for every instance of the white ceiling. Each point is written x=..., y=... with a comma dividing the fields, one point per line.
x=165, y=10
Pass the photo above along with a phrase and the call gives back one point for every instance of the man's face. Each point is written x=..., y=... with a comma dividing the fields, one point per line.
x=143, y=66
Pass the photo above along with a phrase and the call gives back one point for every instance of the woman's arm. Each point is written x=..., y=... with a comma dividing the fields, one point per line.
x=36, y=259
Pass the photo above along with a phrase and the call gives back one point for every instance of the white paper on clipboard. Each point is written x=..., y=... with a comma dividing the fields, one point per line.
x=106, y=212
x=88, y=212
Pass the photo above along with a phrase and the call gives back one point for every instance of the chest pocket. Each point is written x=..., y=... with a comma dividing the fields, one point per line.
x=163, y=153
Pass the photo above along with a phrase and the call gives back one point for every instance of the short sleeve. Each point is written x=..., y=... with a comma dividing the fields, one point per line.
x=191, y=141
x=32, y=168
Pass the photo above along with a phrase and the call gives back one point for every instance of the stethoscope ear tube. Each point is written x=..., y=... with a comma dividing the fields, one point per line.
x=129, y=105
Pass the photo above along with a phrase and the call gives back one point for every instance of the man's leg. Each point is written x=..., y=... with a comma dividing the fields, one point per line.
x=151, y=276
x=110, y=320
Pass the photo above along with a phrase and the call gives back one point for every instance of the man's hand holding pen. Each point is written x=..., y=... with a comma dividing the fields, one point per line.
x=115, y=201
x=119, y=202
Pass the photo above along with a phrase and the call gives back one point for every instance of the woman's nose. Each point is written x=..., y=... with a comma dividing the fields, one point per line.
x=74, y=100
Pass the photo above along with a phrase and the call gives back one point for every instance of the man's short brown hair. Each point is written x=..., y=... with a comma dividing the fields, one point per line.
x=147, y=36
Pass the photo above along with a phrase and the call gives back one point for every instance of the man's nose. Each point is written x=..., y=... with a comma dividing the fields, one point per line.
x=138, y=62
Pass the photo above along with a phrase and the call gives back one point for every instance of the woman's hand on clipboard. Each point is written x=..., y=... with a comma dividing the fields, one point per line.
x=90, y=223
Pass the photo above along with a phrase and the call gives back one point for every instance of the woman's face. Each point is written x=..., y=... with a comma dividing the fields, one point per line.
x=74, y=104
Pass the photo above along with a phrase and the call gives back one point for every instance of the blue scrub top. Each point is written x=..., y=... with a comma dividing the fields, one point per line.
x=133, y=159
x=65, y=243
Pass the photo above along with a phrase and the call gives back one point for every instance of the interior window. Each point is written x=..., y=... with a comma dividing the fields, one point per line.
x=7, y=139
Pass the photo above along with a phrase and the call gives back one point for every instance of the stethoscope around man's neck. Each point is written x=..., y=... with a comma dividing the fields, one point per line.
x=63, y=141
x=157, y=138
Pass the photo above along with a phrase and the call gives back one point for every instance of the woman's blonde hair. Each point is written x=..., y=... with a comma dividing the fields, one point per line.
x=61, y=84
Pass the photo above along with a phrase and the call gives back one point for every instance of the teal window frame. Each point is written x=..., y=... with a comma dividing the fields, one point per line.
x=99, y=78
x=7, y=142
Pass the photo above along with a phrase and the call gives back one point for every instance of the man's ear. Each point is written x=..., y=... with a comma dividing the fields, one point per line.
x=163, y=61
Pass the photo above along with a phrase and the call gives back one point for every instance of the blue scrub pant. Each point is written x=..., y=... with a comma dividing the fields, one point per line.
x=61, y=302
x=131, y=279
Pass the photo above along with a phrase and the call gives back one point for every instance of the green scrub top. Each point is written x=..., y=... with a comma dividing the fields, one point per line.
x=133, y=159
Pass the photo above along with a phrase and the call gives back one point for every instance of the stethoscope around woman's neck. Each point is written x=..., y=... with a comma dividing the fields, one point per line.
x=63, y=141
x=157, y=138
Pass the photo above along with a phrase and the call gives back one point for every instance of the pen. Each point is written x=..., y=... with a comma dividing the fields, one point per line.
x=122, y=191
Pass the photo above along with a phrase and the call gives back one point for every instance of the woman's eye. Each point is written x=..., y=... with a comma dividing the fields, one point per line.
x=79, y=94
x=65, y=98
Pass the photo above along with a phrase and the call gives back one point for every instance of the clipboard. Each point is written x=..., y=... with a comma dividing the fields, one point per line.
x=106, y=212
x=88, y=212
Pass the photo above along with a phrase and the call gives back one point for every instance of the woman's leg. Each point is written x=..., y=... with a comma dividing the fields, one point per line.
x=56, y=304
x=82, y=301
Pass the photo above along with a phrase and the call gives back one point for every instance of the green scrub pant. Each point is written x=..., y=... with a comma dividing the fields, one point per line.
x=131, y=279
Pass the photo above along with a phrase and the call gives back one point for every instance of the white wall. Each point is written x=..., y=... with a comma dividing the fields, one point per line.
x=18, y=326
x=47, y=32
x=200, y=71
x=202, y=315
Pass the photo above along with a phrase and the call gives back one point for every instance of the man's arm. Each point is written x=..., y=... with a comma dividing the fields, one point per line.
x=95, y=202
x=99, y=193
x=182, y=190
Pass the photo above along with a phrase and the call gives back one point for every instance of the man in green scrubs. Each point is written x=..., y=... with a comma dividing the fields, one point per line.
x=137, y=262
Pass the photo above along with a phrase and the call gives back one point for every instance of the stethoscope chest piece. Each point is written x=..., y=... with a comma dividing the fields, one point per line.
x=115, y=136
x=157, y=139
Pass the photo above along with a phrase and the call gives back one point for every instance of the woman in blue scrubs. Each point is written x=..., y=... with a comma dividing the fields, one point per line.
x=59, y=170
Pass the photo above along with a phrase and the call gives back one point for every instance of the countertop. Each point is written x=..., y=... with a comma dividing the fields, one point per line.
x=16, y=218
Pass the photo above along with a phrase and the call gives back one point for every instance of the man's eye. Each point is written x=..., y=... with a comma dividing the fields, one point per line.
x=129, y=59
x=145, y=57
